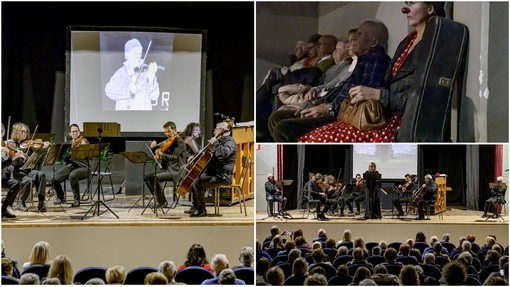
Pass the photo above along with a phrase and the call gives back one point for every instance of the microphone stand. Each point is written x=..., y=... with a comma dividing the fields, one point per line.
x=98, y=202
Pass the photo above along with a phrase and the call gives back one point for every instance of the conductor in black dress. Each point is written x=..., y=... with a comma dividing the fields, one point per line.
x=372, y=201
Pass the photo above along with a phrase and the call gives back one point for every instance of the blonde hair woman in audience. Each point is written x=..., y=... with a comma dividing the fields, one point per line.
x=360, y=242
x=167, y=268
x=40, y=254
x=116, y=275
x=155, y=278
x=346, y=236
x=62, y=269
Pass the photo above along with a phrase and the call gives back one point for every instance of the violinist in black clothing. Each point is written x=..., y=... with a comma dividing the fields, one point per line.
x=405, y=194
x=372, y=200
x=8, y=179
x=172, y=153
x=428, y=195
x=357, y=195
x=317, y=193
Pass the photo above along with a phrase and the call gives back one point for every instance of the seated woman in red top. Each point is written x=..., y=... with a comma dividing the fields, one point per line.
x=196, y=257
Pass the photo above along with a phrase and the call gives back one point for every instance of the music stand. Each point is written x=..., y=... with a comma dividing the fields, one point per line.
x=95, y=151
x=371, y=179
x=153, y=199
x=498, y=186
x=53, y=156
x=137, y=157
x=284, y=183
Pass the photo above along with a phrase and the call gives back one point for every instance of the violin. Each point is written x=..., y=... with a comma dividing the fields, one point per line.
x=144, y=68
x=164, y=146
x=37, y=143
x=404, y=187
x=78, y=141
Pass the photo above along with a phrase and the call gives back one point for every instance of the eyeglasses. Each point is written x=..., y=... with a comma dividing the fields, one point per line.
x=23, y=132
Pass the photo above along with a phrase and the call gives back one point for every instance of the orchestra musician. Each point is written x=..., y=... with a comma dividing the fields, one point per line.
x=357, y=195
x=405, y=194
x=317, y=194
x=190, y=135
x=72, y=170
x=20, y=141
x=172, y=154
x=428, y=193
x=372, y=200
x=8, y=179
x=274, y=192
x=134, y=85
x=220, y=168
x=497, y=194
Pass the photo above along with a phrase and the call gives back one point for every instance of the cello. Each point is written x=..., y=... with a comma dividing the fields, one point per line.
x=198, y=165
x=418, y=195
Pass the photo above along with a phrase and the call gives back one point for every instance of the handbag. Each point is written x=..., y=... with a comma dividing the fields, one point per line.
x=364, y=116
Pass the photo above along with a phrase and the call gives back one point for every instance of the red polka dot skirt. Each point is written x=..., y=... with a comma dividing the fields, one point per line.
x=342, y=132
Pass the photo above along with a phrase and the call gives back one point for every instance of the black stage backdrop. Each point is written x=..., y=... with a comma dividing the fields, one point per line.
x=326, y=159
x=34, y=49
x=443, y=159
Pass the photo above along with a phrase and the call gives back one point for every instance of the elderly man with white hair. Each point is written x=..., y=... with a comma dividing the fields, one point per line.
x=497, y=194
x=219, y=262
x=220, y=168
x=429, y=192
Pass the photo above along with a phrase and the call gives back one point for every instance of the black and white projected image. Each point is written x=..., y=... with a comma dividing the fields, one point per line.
x=135, y=85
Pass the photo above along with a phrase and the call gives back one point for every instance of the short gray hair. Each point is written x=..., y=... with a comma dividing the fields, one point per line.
x=167, y=268
x=29, y=279
x=219, y=262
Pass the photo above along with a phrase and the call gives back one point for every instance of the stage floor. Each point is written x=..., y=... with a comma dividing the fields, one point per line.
x=129, y=213
x=453, y=215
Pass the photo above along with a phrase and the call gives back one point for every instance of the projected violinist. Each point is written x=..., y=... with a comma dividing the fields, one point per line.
x=134, y=86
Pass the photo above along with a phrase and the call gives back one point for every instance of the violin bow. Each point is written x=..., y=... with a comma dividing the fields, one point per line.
x=8, y=127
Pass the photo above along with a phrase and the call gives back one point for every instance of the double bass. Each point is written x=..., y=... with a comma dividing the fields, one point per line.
x=198, y=163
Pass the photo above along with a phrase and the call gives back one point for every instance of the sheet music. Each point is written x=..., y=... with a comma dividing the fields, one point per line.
x=153, y=156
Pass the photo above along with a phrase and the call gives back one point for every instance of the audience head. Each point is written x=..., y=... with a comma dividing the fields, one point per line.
x=380, y=269
x=420, y=237
x=51, y=281
x=300, y=241
x=316, y=245
x=410, y=242
x=502, y=261
x=155, y=278
x=299, y=266
x=227, y=277
x=495, y=279
x=371, y=34
x=492, y=256
x=312, y=45
x=196, y=256
x=341, y=51
x=360, y=274
x=471, y=238
x=330, y=243
x=116, y=275
x=446, y=237
x=274, y=231
x=466, y=245
x=7, y=268
x=289, y=245
x=321, y=232
x=318, y=255
x=367, y=282
x=408, y=276
x=466, y=258
x=168, y=269
x=62, y=269
x=437, y=247
x=219, y=262
x=293, y=255
x=342, y=270
x=376, y=250
x=347, y=236
x=258, y=245
x=454, y=273
x=316, y=280
x=40, y=253
x=359, y=242
x=433, y=239
x=95, y=281
x=390, y=254
x=342, y=250
x=404, y=249
x=275, y=276
x=357, y=254
x=246, y=256
x=263, y=265
x=317, y=270
x=429, y=258
x=497, y=248
x=29, y=279
x=298, y=232
x=383, y=245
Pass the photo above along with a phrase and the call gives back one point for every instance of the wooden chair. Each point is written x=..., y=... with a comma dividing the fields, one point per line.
x=239, y=186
